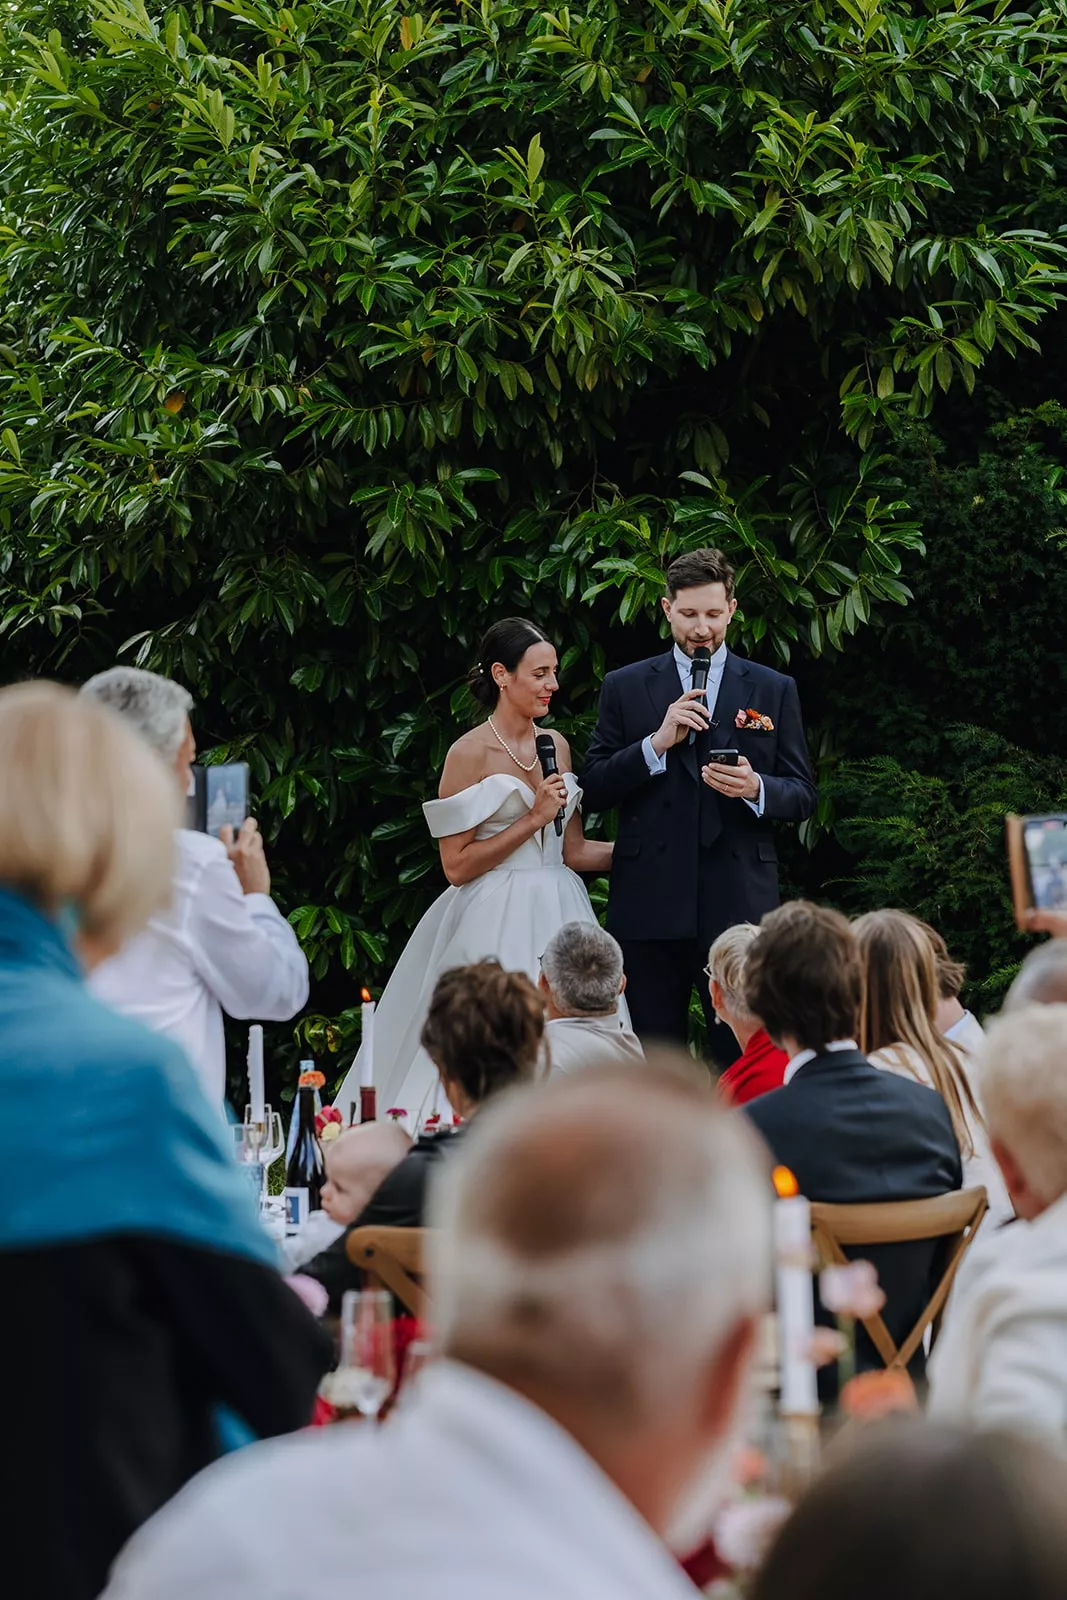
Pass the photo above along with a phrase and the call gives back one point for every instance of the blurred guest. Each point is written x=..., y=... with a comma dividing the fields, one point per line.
x=221, y=944
x=921, y=1513
x=1002, y=1358
x=601, y=1264
x=959, y=1025
x=1042, y=978
x=898, y=1032
x=581, y=980
x=484, y=1032
x=761, y=1065
x=849, y=1132
x=140, y=1294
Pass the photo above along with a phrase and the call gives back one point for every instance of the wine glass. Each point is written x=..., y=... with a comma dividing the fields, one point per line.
x=257, y=1148
x=366, y=1374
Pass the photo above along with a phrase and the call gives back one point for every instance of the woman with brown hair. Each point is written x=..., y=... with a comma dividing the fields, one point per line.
x=899, y=1033
x=484, y=1032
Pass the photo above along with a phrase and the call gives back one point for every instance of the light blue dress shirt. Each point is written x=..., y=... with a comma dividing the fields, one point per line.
x=657, y=764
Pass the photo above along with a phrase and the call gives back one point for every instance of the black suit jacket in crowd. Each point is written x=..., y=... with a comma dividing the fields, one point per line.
x=851, y=1133
x=688, y=862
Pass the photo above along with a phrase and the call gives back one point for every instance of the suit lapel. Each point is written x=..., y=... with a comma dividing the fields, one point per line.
x=664, y=688
x=733, y=694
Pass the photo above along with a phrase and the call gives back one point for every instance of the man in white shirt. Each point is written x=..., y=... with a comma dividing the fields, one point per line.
x=602, y=1260
x=223, y=945
x=581, y=980
x=1001, y=1360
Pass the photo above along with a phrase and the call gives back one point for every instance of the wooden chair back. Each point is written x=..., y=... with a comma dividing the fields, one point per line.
x=953, y=1217
x=394, y=1256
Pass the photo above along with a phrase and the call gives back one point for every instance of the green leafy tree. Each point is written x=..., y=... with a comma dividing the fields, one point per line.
x=934, y=845
x=330, y=331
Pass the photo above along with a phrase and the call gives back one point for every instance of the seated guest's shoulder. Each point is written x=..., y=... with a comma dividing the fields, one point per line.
x=233, y=1523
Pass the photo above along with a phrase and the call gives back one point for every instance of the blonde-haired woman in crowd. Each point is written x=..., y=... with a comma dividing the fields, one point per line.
x=142, y=1309
x=761, y=1065
x=898, y=1032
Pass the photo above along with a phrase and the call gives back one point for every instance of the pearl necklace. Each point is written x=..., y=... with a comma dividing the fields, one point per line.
x=510, y=751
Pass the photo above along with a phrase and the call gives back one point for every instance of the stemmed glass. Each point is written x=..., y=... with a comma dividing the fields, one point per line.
x=257, y=1148
x=366, y=1373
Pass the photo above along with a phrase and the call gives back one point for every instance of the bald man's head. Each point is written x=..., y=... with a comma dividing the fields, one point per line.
x=1042, y=978
x=602, y=1233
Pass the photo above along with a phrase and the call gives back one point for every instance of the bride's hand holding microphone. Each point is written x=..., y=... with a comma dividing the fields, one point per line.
x=549, y=801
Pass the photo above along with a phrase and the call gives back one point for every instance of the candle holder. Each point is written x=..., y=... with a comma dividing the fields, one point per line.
x=257, y=1145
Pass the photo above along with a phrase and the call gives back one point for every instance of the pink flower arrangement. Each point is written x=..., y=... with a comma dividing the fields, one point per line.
x=396, y=1113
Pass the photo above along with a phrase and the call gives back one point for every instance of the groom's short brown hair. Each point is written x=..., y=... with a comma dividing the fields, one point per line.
x=804, y=975
x=697, y=567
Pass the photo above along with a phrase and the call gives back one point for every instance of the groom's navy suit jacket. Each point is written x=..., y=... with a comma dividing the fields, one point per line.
x=689, y=862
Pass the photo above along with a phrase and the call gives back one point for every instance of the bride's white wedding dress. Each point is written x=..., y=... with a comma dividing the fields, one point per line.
x=510, y=913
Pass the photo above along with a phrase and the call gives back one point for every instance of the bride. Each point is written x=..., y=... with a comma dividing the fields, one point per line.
x=513, y=880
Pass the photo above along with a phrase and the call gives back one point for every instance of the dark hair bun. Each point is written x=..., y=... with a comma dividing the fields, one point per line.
x=507, y=642
x=481, y=685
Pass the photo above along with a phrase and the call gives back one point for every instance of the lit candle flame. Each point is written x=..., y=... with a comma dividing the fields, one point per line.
x=785, y=1184
x=365, y=993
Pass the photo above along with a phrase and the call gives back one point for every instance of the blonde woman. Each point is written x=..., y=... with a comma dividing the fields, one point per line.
x=761, y=1065
x=899, y=1033
x=142, y=1308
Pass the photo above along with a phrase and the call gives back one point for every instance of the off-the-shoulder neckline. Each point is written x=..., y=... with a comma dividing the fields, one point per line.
x=508, y=777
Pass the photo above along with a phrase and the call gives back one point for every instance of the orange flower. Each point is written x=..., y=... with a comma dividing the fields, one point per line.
x=872, y=1395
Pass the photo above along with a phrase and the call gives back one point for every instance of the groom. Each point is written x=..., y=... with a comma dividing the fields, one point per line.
x=695, y=849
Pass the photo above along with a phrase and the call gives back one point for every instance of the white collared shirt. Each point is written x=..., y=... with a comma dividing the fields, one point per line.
x=468, y=1492
x=214, y=949
x=802, y=1057
x=657, y=764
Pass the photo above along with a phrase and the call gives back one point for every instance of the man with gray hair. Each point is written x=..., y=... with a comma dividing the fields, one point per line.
x=602, y=1260
x=223, y=945
x=1042, y=978
x=581, y=981
x=1001, y=1360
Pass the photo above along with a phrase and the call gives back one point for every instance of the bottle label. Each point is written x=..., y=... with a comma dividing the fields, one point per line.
x=296, y=1209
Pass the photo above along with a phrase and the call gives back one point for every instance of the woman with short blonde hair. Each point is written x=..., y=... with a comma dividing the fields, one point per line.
x=87, y=814
x=898, y=1032
x=137, y=1281
x=760, y=1066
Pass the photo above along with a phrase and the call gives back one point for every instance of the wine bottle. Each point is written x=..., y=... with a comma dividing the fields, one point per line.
x=305, y=1173
x=368, y=1105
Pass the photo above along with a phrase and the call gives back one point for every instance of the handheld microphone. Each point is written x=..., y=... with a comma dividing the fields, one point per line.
x=701, y=668
x=545, y=746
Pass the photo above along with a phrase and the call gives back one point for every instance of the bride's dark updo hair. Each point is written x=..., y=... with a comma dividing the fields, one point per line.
x=507, y=642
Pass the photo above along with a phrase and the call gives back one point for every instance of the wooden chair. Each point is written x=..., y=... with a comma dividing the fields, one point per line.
x=395, y=1257
x=952, y=1217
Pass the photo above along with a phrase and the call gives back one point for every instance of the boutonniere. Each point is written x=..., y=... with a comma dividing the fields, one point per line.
x=753, y=720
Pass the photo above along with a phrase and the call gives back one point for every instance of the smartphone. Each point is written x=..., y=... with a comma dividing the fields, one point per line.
x=723, y=758
x=1037, y=858
x=219, y=795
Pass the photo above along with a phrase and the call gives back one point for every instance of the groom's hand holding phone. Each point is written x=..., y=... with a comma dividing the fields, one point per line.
x=736, y=780
x=687, y=713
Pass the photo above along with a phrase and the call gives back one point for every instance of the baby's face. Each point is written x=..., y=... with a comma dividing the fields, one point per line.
x=344, y=1194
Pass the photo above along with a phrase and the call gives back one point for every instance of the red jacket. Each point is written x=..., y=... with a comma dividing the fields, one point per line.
x=758, y=1070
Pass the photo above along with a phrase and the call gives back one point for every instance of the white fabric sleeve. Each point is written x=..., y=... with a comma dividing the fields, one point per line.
x=655, y=764
x=757, y=804
x=244, y=950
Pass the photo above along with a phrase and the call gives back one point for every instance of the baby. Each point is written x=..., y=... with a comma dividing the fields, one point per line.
x=356, y=1163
